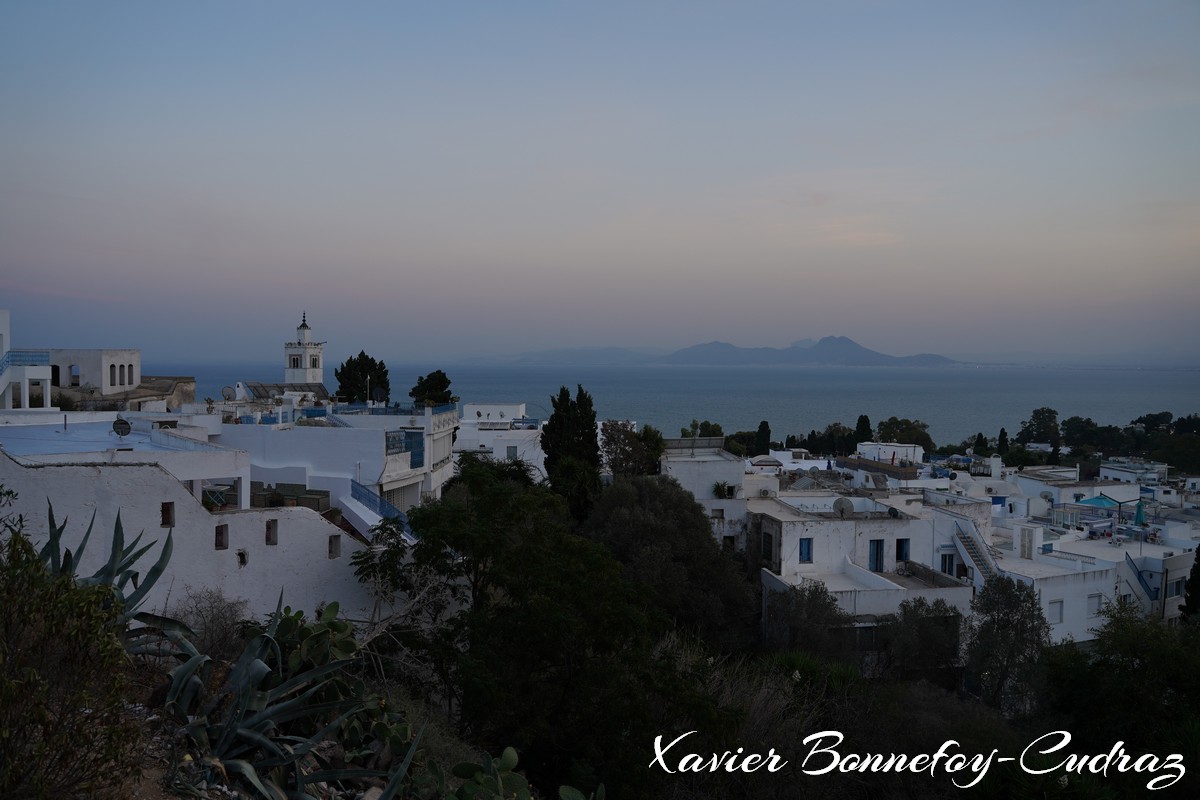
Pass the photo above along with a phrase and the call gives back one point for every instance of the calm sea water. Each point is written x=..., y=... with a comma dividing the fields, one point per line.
x=957, y=402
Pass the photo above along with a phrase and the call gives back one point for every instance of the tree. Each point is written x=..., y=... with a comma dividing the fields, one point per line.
x=862, y=429
x=626, y=452
x=1006, y=635
x=361, y=377
x=803, y=618
x=1002, y=442
x=1190, y=608
x=1042, y=426
x=762, y=439
x=432, y=390
x=658, y=531
x=572, y=450
x=547, y=646
x=906, y=431
x=924, y=638
x=980, y=445
x=701, y=429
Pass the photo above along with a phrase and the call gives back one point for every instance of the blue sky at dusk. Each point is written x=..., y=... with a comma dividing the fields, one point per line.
x=439, y=179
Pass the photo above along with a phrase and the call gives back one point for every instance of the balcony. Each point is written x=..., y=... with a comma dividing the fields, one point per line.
x=25, y=358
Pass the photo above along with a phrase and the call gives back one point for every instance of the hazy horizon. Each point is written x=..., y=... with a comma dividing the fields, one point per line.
x=467, y=179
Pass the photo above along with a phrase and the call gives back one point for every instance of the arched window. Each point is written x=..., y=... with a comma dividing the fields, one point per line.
x=122, y=374
x=132, y=382
x=112, y=374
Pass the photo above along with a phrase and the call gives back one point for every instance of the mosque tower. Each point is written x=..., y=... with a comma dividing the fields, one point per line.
x=304, y=359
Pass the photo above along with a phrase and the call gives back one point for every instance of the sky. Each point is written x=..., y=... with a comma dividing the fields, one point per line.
x=438, y=180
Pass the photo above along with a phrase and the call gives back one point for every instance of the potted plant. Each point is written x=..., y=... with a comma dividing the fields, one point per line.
x=210, y=403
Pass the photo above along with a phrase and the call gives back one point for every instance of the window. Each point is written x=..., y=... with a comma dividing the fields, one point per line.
x=222, y=538
x=132, y=382
x=294, y=362
x=314, y=362
x=948, y=563
x=168, y=515
x=512, y=452
x=901, y=550
x=122, y=374
x=112, y=374
x=806, y=551
x=75, y=375
x=717, y=513
x=272, y=532
x=335, y=545
x=1054, y=611
x=1095, y=601
x=1175, y=587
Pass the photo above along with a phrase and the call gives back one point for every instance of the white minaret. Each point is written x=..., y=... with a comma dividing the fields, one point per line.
x=304, y=359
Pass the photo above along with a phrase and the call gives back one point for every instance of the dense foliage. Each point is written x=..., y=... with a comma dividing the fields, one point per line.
x=362, y=378
x=572, y=449
x=432, y=390
x=63, y=728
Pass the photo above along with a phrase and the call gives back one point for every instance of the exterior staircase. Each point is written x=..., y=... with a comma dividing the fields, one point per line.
x=972, y=549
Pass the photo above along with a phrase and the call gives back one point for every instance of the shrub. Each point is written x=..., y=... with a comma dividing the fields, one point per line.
x=63, y=732
x=219, y=623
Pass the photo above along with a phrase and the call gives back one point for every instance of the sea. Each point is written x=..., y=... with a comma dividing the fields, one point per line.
x=956, y=402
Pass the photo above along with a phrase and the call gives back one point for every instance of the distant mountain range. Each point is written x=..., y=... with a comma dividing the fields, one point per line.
x=831, y=350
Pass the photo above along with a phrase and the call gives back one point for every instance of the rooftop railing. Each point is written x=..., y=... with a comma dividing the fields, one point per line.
x=25, y=358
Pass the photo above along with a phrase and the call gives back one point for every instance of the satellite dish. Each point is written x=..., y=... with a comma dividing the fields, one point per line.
x=121, y=427
x=843, y=507
x=814, y=471
x=894, y=513
x=479, y=414
x=1047, y=496
x=953, y=476
x=378, y=395
x=228, y=393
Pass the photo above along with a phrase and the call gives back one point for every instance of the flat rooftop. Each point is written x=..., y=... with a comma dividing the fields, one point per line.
x=83, y=437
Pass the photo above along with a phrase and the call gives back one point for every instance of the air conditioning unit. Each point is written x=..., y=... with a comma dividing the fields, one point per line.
x=764, y=492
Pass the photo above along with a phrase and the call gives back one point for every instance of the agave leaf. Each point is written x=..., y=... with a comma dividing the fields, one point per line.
x=295, y=709
x=108, y=572
x=266, y=743
x=294, y=683
x=247, y=771
x=86, y=535
x=135, y=599
x=162, y=623
x=398, y=776
x=186, y=648
x=50, y=550
x=185, y=682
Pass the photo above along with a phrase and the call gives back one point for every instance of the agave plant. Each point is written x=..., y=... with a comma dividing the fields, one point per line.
x=118, y=573
x=240, y=728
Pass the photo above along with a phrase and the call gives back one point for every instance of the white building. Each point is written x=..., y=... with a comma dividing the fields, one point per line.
x=716, y=478
x=501, y=431
x=24, y=374
x=157, y=478
x=870, y=556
